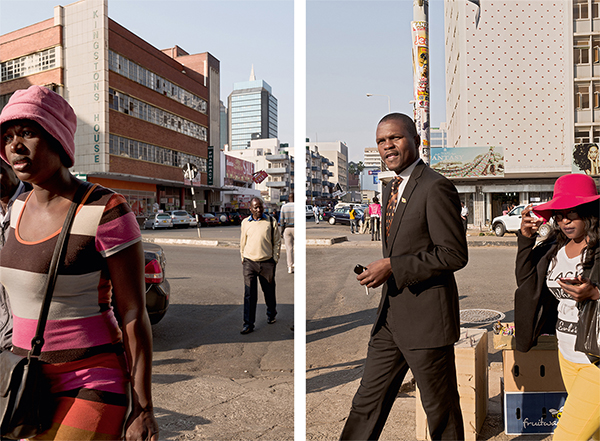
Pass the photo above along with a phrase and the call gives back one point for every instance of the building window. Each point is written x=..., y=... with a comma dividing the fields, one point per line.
x=582, y=136
x=28, y=65
x=596, y=135
x=582, y=96
x=131, y=148
x=595, y=9
x=580, y=9
x=581, y=50
x=143, y=76
x=126, y=104
x=596, y=50
x=596, y=87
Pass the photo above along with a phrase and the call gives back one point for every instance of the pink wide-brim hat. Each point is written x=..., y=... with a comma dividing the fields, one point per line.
x=569, y=192
x=49, y=110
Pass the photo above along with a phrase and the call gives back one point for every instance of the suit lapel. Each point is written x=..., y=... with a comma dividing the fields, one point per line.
x=403, y=201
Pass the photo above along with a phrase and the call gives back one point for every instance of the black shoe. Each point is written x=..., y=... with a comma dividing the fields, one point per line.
x=271, y=320
x=247, y=329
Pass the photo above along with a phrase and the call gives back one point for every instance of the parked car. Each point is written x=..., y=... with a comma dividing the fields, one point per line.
x=511, y=222
x=158, y=220
x=235, y=217
x=208, y=220
x=224, y=218
x=180, y=218
x=193, y=221
x=158, y=290
x=342, y=215
x=309, y=212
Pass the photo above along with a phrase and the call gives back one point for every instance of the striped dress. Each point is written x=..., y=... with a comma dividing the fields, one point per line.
x=83, y=350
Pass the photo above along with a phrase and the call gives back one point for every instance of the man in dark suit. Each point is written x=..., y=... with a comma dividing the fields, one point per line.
x=418, y=318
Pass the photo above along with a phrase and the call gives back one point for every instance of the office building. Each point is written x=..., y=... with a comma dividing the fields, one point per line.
x=336, y=152
x=274, y=159
x=252, y=113
x=372, y=158
x=143, y=113
x=319, y=183
x=521, y=91
x=224, y=125
x=438, y=137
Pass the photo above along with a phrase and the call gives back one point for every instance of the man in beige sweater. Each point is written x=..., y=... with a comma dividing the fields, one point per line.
x=260, y=244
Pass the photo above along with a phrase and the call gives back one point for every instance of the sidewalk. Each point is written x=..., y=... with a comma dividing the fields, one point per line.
x=321, y=234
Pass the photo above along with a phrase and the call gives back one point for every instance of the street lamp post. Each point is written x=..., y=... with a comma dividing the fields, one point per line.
x=389, y=101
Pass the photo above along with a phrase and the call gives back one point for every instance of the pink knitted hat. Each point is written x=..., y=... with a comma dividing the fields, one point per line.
x=48, y=109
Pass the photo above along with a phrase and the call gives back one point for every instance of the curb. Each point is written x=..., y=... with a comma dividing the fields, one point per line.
x=325, y=242
x=343, y=240
x=491, y=243
x=198, y=242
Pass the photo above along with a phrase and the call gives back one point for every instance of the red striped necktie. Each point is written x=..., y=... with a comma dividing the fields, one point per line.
x=391, y=205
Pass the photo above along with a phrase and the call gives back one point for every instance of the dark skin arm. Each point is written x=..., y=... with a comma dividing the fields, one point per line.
x=127, y=277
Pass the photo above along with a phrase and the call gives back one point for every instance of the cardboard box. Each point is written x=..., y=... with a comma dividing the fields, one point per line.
x=533, y=371
x=472, y=376
x=545, y=342
x=532, y=412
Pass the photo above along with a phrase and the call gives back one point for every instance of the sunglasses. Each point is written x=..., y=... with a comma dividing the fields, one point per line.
x=570, y=214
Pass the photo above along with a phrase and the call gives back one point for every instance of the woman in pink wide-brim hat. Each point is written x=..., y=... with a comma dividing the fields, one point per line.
x=553, y=278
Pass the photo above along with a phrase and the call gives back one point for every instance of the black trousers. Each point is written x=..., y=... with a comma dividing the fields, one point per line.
x=263, y=272
x=387, y=364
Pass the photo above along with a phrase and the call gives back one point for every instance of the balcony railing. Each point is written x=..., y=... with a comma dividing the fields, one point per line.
x=276, y=170
x=276, y=157
x=277, y=184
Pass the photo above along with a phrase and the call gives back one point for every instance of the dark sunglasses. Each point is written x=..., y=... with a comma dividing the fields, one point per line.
x=570, y=214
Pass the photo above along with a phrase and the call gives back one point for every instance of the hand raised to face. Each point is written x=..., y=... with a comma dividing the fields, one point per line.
x=530, y=223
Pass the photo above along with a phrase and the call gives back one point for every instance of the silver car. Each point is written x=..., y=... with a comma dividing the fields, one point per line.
x=180, y=218
x=158, y=220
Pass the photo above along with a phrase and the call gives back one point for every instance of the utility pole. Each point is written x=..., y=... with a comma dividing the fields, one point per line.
x=420, y=52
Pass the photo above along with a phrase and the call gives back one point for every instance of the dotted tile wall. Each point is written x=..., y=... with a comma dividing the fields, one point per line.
x=516, y=87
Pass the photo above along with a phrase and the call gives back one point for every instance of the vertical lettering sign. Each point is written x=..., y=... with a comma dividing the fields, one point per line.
x=96, y=78
x=85, y=55
x=210, y=165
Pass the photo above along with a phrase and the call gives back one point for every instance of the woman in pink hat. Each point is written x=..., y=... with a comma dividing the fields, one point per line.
x=89, y=361
x=552, y=278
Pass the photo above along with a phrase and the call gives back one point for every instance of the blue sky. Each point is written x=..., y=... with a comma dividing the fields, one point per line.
x=359, y=47
x=353, y=48
x=238, y=33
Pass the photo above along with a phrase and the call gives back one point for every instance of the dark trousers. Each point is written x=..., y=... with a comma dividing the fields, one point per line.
x=263, y=272
x=435, y=373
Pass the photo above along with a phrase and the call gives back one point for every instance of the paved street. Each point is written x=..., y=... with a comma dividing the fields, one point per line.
x=340, y=316
x=210, y=382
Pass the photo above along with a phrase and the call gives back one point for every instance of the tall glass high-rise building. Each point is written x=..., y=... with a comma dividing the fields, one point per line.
x=252, y=113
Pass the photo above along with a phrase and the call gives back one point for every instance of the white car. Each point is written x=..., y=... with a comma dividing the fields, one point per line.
x=309, y=211
x=511, y=222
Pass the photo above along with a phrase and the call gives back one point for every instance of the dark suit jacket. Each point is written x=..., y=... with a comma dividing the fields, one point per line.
x=426, y=245
x=535, y=307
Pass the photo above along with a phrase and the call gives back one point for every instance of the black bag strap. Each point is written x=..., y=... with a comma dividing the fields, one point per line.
x=57, y=257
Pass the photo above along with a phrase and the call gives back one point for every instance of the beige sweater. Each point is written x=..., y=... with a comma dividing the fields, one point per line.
x=255, y=240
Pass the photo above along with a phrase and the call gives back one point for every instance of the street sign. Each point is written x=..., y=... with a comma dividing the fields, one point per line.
x=260, y=176
x=190, y=171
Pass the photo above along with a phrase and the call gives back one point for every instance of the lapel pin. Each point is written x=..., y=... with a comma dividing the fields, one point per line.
x=403, y=201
